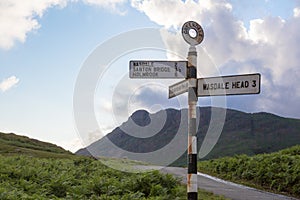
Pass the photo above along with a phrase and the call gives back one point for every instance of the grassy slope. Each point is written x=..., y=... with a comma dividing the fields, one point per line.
x=277, y=172
x=12, y=144
x=29, y=169
x=24, y=177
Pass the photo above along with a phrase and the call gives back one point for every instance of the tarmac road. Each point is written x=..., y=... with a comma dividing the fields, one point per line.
x=217, y=186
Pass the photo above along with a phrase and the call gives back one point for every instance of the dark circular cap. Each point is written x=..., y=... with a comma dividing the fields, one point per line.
x=192, y=33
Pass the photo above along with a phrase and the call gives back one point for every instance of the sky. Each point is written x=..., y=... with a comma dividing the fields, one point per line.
x=63, y=61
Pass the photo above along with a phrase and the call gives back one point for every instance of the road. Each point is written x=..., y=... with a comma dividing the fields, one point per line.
x=217, y=186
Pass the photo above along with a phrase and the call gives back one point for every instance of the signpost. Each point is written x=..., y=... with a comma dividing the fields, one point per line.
x=152, y=69
x=193, y=34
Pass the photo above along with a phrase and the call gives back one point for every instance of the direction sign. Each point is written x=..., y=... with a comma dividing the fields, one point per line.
x=178, y=88
x=229, y=85
x=150, y=69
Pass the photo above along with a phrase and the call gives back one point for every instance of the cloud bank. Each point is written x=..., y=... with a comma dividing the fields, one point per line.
x=18, y=18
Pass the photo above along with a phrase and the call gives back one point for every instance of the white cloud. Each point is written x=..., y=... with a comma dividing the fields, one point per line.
x=173, y=13
x=113, y=5
x=8, y=83
x=263, y=30
x=18, y=18
x=296, y=12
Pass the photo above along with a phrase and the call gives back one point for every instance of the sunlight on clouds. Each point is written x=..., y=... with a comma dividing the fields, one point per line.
x=161, y=13
x=296, y=12
x=266, y=30
x=279, y=53
x=20, y=17
x=8, y=83
x=113, y=5
x=256, y=32
x=173, y=13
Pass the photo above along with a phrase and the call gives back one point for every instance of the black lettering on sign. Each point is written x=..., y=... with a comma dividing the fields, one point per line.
x=233, y=85
x=186, y=30
x=236, y=84
x=216, y=86
x=161, y=69
x=244, y=84
x=227, y=85
x=150, y=74
x=136, y=74
x=254, y=83
x=142, y=69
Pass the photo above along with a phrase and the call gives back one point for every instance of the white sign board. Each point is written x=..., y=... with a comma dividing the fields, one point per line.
x=157, y=69
x=178, y=88
x=229, y=85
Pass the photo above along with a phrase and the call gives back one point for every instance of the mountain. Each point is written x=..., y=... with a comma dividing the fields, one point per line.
x=12, y=144
x=242, y=133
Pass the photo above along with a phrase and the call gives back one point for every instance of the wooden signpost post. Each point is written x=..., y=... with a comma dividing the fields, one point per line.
x=193, y=34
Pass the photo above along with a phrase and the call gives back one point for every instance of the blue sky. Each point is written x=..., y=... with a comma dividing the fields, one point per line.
x=45, y=44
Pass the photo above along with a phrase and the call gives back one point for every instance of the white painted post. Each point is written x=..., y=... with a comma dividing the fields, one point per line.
x=192, y=186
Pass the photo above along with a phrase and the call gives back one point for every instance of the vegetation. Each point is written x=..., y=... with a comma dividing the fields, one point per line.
x=12, y=144
x=23, y=177
x=278, y=172
x=31, y=169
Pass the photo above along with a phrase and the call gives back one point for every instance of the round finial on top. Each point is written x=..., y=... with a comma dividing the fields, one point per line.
x=192, y=33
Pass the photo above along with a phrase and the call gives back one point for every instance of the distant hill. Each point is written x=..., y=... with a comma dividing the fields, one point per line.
x=243, y=133
x=12, y=144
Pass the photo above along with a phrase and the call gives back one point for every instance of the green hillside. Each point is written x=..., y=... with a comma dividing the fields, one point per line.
x=277, y=172
x=80, y=178
x=12, y=144
x=255, y=133
x=30, y=169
